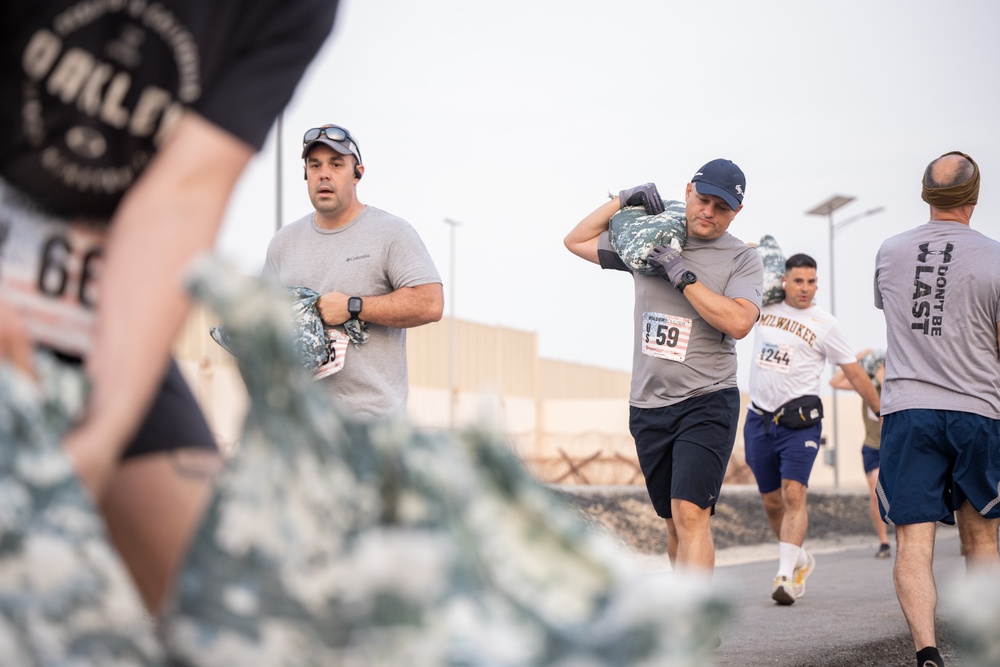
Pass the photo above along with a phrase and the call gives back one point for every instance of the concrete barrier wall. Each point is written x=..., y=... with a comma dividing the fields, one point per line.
x=556, y=415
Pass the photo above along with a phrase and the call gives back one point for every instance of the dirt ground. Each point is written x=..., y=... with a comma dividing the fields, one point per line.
x=739, y=520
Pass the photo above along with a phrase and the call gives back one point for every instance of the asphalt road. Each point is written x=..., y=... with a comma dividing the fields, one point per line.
x=848, y=616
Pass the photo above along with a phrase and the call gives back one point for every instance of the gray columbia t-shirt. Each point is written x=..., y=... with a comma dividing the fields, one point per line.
x=375, y=254
x=676, y=354
x=939, y=287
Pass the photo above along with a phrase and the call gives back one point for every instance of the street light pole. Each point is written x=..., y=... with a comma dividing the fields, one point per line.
x=826, y=209
x=452, y=327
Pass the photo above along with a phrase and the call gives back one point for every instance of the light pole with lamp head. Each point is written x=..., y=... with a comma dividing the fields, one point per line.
x=826, y=209
x=452, y=327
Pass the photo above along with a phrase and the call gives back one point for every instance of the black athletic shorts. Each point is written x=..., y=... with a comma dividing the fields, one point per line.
x=174, y=420
x=684, y=448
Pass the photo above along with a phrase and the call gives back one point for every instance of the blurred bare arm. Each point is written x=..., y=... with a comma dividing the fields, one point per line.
x=171, y=215
x=862, y=384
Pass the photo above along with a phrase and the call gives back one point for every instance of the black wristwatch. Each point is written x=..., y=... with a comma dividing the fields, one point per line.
x=687, y=278
x=354, y=304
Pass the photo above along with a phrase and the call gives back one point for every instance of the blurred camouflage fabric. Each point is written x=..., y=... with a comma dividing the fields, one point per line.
x=335, y=542
x=974, y=603
x=328, y=542
x=634, y=233
x=65, y=597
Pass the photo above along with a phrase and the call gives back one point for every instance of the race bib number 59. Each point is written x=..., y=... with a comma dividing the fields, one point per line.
x=48, y=273
x=665, y=336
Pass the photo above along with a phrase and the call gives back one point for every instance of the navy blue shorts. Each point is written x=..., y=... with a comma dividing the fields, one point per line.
x=781, y=453
x=684, y=448
x=935, y=460
x=869, y=458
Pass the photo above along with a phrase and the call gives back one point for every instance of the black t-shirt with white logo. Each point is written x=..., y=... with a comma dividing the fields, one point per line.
x=90, y=88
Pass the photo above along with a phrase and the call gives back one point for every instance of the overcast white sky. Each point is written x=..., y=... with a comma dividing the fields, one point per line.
x=517, y=118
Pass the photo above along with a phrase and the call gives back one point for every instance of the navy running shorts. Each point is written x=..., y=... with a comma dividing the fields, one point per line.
x=869, y=458
x=935, y=460
x=781, y=453
x=684, y=448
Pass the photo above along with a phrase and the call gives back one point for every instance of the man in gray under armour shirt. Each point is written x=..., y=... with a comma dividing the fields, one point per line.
x=939, y=289
x=372, y=269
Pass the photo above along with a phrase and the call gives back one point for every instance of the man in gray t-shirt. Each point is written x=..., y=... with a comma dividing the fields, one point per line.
x=939, y=289
x=373, y=271
x=684, y=404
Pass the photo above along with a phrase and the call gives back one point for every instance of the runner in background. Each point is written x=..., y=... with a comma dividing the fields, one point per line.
x=873, y=363
x=794, y=341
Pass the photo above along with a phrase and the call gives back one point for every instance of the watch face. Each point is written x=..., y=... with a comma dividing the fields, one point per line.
x=354, y=305
x=687, y=278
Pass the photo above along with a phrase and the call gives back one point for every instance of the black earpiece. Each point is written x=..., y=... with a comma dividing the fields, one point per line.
x=357, y=172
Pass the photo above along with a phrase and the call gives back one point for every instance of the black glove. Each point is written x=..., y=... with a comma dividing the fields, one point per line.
x=666, y=261
x=642, y=195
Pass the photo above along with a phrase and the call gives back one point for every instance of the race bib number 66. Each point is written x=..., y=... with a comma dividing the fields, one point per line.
x=665, y=336
x=48, y=273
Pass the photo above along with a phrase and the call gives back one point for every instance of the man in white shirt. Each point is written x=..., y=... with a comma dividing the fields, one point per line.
x=793, y=342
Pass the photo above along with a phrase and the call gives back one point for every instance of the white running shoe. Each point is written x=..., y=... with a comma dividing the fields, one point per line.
x=800, y=575
x=782, y=591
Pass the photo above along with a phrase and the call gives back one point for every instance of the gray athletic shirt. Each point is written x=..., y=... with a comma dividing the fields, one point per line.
x=939, y=287
x=676, y=354
x=375, y=254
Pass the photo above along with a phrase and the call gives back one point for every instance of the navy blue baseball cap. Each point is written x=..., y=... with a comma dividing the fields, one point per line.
x=721, y=178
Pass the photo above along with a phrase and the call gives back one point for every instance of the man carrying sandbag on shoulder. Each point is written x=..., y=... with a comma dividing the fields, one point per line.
x=794, y=341
x=694, y=298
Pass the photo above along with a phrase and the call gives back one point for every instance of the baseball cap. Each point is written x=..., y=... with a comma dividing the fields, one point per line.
x=334, y=136
x=721, y=178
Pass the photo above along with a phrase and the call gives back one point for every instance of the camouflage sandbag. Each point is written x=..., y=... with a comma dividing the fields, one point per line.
x=634, y=233
x=871, y=362
x=315, y=343
x=774, y=269
x=331, y=542
x=65, y=597
x=307, y=328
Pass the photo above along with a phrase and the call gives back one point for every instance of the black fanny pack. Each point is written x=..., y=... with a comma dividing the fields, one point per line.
x=800, y=412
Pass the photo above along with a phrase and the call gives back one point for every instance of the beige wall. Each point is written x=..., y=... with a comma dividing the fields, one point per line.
x=567, y=421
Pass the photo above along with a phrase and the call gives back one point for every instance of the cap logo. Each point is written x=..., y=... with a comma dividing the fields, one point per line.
x=739, y=188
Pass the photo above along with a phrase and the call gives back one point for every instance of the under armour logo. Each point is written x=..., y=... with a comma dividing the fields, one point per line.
x=925, y=251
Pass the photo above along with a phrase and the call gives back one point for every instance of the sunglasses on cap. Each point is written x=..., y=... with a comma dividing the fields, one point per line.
x=333, y=133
